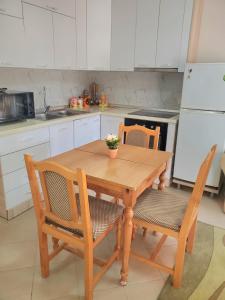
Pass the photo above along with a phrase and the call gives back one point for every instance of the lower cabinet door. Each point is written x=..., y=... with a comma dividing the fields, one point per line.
x=110, y=125
x=86, y=130
x=94, y=129
x=61, y=138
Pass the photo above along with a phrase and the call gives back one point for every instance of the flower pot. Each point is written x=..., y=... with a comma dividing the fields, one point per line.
x=113, y=153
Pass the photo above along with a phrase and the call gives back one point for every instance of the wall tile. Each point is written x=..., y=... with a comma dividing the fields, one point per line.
x=147, y=89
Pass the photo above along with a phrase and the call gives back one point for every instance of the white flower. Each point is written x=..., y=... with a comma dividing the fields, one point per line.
x=111, y=137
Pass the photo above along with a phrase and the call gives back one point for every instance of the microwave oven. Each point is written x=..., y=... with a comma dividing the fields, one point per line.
x=16, y=106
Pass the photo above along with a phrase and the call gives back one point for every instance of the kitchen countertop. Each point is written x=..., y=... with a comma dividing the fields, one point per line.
x=116, y=110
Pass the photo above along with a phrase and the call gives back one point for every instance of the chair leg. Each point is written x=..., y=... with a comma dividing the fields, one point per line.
x=88, y=257
x=116, y=200
x=191, y=238
x=43, y=248
x=98, y=195
x=179, y=263
x=55, y=243
x=134, y=231
x=118, y=238
x=145, y=230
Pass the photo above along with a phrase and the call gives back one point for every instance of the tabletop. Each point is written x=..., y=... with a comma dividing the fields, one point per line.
x=128, y=170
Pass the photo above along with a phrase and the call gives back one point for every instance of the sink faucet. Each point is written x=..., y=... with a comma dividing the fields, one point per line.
x=46, y=107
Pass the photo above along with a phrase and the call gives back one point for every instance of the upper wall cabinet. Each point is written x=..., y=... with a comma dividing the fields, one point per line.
x=170, y=33
x=123, y=34
x=162, y=33
x=81, y=32
x=39, y=36
x=146, y=33
x=13, y=42
x=11, y=8
x=64, y=7
x=98, y=34
x=64, y=42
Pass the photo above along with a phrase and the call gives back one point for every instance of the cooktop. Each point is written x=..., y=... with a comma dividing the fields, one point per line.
x=154, y=113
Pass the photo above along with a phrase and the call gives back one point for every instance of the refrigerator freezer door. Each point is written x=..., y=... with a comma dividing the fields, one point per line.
x=197, y=132
x=204, y=87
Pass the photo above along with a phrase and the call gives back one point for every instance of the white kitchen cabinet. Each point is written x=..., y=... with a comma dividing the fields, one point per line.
x=110, y=125
x=39, y=36
x=64, y=42
x=14, y=187
x=23, y=140
x=11, y=8
x=98, y=34
x=146, y=33
x=81, y=33
x=12, y=46
x=64, y=7
x=186, y=34
x=61, y=138
x=86, y=130
x=123, y=18
x=15, y=161
x=170, y=33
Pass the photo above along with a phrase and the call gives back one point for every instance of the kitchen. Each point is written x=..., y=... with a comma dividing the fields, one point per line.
x=63, y=49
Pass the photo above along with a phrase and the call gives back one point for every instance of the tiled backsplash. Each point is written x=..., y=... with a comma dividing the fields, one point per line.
x=148, y=89
x=60, y=85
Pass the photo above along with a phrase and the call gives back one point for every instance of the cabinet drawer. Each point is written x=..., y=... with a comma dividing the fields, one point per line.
x=23, y=140
x=13, y=181
x=14, y=161
x=17, y=196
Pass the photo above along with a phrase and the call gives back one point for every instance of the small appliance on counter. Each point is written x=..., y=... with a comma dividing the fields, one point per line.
x=16, y=106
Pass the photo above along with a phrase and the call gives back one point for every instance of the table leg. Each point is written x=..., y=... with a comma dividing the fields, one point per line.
x=128, y=227
x=162, y=178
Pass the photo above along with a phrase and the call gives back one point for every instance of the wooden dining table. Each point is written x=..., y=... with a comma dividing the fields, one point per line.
x=126, y=177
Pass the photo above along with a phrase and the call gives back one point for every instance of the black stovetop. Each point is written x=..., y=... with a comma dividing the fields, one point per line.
x=154, y=113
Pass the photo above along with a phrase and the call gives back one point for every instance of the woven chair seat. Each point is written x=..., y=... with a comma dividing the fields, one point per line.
x=164, y=208
x=103, y=215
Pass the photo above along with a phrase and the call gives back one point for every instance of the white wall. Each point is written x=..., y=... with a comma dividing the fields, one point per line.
x=211, y=46
x=149, y=89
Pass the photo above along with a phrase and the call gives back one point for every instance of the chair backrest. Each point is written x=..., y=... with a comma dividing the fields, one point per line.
x=196, y=196
x=58, y=189
x=137, y=135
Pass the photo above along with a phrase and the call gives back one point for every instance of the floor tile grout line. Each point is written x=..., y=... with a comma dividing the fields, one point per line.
x=32, y=284
x=18, y=268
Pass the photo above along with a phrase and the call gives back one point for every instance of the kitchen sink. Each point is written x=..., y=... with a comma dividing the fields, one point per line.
x=47, y=116
x=51, y=115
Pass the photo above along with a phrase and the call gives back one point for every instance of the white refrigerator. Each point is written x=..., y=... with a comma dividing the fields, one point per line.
x=202, y=121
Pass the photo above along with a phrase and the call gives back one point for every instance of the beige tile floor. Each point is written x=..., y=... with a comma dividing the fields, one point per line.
x=20, y=274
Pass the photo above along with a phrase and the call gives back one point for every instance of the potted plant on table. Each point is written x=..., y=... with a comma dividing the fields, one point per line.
x=112, y=141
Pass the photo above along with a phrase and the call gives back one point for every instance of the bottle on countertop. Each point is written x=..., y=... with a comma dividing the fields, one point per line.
x=94, y=93
x=73, y=102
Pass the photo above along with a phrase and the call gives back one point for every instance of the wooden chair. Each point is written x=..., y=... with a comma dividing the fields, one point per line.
x=76, y=222
x=174, y=216
x=137, y=135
